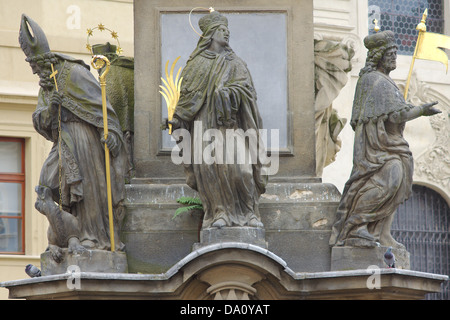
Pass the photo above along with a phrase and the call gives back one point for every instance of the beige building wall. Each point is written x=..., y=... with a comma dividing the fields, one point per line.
x=65, y=23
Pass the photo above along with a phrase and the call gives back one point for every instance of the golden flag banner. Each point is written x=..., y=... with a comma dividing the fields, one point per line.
x=429, y=47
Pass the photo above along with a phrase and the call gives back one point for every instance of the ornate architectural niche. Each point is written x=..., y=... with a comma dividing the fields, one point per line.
x=432, y=165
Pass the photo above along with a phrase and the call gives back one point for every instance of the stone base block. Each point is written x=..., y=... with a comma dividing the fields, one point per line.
x=255, y=236
x=303, y=251
x=156, y=252
x=88, y=261
x=352, y=258
x=231, y=271
x=297, y=218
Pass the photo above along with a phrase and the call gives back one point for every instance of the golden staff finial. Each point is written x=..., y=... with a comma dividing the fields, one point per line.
x=95, y=63
x=53, y=75
x=376, y=28
x=422, y=26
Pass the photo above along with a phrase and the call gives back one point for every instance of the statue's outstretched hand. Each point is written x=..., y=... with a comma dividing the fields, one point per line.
x=429, y=110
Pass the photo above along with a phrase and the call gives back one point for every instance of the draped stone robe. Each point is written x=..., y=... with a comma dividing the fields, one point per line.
x=381, y=178
x=218, y=91
x=83, y=177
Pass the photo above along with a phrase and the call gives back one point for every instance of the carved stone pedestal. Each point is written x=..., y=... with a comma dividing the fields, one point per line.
x=297, y=218
x=235, y=271
x=255, y=236
x=88, y=261
x=351, y=258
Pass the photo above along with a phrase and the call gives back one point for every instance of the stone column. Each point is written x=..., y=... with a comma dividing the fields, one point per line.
x=297, y=161
x=297, y=209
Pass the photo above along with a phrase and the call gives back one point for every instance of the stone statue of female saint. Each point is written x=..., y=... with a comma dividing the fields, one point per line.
x=217, y=93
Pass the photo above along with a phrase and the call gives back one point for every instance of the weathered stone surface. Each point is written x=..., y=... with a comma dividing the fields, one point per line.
x=383, y=166
x=88, y=261
x=70, y=114
x=156, y=252
x=295, y=215
x=232, y=270
x=352, y=258
x=255, y=236
x=304, y=251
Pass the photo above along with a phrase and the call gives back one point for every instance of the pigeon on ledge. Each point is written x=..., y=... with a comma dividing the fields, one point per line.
x=389, y=258
x=32, y=271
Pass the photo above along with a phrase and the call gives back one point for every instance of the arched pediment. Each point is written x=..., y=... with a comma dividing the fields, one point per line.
x=229, y=271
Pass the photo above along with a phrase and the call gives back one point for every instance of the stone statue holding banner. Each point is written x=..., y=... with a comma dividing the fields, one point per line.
x=381, y=178
x=78, y=183
x=217, y=92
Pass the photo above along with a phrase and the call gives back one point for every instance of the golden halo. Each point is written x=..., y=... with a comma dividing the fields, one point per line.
x=101, y=27
x=210, y=9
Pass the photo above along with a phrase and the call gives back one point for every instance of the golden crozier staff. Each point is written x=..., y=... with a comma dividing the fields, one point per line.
x=104, y=62
x=53, y=75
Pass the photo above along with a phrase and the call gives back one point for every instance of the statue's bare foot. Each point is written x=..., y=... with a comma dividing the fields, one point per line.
x=55, y=252
x=75, y=246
